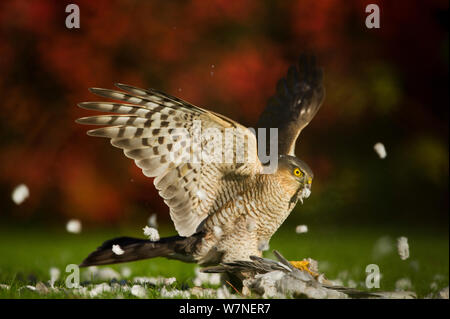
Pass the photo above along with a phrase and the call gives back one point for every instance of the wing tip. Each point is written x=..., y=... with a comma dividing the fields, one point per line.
x=81, y=120
x=86, y=105
x=122, y=85
x=98, y=132
x=95, y=90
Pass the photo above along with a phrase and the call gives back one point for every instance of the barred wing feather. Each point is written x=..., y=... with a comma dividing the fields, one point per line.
x=165, y=136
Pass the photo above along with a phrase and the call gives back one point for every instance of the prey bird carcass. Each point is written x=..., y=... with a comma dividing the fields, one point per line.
x=268, y=278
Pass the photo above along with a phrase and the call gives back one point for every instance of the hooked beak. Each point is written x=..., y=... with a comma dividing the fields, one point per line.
x=305, y=192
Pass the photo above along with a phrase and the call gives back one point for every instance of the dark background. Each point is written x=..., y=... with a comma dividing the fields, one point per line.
x=386, y=85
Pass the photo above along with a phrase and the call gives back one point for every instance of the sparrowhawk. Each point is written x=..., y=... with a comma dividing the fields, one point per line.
x=223, y=208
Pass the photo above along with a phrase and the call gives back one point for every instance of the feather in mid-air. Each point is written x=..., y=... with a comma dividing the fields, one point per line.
x=224, y=209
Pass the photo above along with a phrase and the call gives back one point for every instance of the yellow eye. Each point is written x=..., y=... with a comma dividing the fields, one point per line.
x=297, y=172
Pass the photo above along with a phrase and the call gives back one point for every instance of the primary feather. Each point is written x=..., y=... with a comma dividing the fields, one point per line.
x=298, y=98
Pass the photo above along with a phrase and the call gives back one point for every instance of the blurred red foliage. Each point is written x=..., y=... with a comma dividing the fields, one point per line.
x=223, y=55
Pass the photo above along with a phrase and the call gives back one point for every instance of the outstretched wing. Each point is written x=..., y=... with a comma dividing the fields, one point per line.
x=190, y=151
x=296, y=102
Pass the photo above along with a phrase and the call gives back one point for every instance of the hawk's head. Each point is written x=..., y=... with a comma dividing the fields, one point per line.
x=297, y=175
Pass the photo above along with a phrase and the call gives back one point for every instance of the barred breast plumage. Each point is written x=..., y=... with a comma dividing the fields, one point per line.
x=246, y=221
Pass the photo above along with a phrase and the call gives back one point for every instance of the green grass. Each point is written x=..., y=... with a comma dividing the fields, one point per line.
x=26, y=256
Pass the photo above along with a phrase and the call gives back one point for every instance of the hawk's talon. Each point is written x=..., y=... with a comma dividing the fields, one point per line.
x=303, y=265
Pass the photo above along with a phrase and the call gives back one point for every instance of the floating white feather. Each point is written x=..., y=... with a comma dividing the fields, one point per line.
x=152, y=233
x=117, y=250
x=20, y=194
x=73, y=226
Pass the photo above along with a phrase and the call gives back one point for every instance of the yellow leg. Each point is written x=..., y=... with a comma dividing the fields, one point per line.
x=304, y=266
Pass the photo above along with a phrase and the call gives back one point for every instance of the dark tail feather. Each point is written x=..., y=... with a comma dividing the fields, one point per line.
x=175, y=247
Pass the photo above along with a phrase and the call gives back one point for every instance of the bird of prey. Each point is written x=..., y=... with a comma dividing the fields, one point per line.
x=205, y=167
